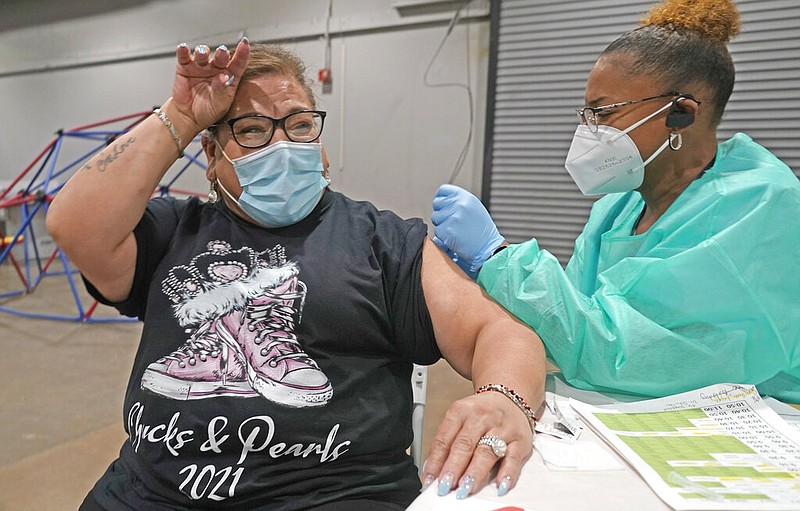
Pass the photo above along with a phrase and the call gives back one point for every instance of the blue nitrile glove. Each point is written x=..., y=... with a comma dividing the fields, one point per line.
x=460, y=262
x=463, y=226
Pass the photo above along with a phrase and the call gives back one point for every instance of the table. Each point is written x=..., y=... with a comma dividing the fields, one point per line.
x=577, y=475
x=541, y=488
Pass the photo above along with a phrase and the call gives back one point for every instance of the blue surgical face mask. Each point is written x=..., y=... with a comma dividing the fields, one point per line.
x=281, y=183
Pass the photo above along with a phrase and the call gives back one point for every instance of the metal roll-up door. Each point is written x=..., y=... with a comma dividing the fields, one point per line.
x=766, y=98
x=541, y=54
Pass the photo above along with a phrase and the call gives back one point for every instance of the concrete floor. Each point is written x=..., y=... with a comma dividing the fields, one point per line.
x=62, y=387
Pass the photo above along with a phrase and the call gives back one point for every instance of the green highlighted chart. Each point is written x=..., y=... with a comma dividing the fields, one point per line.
x=719, y=447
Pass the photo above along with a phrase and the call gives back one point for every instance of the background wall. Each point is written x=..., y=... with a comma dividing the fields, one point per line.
x=541, y=54
x=391, y=138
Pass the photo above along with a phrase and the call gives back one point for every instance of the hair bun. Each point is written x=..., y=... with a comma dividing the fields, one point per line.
x=713, y=19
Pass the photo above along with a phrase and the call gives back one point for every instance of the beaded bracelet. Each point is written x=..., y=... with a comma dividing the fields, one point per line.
x=172, y=131
x=515, y=398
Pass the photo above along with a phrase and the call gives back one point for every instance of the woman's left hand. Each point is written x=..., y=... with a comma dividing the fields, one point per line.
x=206, y=81
x=458, y=461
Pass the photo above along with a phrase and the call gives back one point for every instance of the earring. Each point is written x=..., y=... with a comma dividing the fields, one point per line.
x=672, y=138
x=213, y=196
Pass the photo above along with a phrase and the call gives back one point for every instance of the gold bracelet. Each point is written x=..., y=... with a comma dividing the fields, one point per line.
x=515, y=398
x=172, y=131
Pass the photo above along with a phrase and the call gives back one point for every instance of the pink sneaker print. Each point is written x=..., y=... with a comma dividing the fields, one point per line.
x=247, y=305
x=201, y=368
x=277, y=366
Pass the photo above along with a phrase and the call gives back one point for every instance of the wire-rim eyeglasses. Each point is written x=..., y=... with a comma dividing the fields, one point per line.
x=588, y=115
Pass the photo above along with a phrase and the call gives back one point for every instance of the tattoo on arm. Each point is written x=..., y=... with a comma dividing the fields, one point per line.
x=103, y=160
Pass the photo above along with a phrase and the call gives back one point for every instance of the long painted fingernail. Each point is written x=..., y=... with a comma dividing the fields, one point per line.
x=504, y=486
x=222, y=47
x=183, y=45
x=202, y=49
x=445, y=483
x=464, y=489
x=427, y=481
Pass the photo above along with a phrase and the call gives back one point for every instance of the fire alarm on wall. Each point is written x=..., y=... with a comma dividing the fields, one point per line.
x=324, y=75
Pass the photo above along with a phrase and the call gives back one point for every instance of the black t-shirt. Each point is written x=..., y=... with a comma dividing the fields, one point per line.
x=274, y=367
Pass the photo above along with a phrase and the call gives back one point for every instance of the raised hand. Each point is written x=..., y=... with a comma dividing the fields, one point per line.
x=206, y=82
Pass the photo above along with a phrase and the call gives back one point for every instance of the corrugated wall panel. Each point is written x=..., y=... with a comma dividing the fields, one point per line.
x=542, y=51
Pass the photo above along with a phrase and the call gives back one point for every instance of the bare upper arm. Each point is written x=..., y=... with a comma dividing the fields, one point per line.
x=114, y=277
x=111, y=273
x=458, y=307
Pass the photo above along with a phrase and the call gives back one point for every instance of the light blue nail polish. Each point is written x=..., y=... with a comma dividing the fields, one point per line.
x=464, y=489
x=445, y=483
x=222, y=47
x=504, y=486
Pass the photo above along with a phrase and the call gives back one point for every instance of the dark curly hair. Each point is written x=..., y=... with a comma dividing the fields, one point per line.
x=683, y=43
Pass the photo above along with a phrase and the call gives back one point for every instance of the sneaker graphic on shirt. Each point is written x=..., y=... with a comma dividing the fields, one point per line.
x=241, y=308
x=201, y=368
x=277, y=366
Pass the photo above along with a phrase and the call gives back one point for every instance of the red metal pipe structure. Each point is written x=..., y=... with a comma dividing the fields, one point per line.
x=35, y=197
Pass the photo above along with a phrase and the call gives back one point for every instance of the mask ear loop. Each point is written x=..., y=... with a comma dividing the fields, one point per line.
x=223, y=151
x=640, y=122
x=230, y=196
x=218, y=183
x=657, y=152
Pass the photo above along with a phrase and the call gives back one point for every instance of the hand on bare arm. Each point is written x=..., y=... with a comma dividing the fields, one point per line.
x=506, y=362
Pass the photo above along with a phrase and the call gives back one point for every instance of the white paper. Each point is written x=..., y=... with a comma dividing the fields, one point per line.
x=790, y=414
x=449, y=503
x=430, y=501
x=719, y=447
x=565, y=455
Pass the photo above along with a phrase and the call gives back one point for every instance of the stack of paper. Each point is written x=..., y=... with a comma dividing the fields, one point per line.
x=720, y=447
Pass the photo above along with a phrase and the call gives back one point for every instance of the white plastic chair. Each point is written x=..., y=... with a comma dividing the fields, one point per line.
x=419, y=387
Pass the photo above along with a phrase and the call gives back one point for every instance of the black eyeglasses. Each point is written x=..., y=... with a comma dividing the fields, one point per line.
x=588, y=115
x=254, y=131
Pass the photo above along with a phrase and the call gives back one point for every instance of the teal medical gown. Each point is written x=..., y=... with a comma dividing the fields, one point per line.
x=709, y=294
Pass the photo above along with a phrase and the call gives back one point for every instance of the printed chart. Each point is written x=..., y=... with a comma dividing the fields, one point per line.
x=717, y=448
